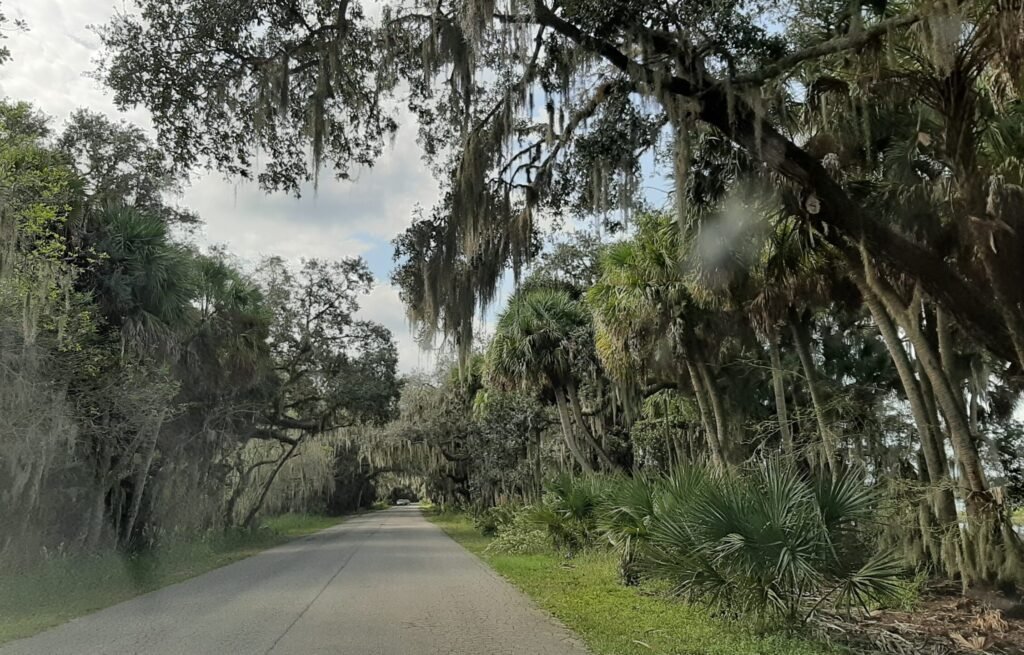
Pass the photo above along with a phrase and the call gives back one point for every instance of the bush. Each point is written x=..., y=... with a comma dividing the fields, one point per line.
x=520, y=536
x=568, y=512
x=490, y=521
x=769, y=542
x=624, y=516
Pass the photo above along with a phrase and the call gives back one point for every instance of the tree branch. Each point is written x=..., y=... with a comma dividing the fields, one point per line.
x=841, y=220
x=838, y=44
x=269, y=434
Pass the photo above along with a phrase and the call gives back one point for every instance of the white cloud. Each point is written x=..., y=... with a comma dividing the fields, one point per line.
x=49, y=68
x=340, y=218
x=52, y=59
x=383, y=306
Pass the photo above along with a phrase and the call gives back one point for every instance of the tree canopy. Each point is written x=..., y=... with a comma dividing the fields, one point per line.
x=749, y=85
x=148, y=387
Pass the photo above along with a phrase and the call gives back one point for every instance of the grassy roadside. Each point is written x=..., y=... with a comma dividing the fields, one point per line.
x=613, y=619
x=63, y=589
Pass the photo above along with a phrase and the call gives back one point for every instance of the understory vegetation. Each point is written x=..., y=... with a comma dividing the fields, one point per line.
x=66, y=586
x=766, y=543
x=585, y=593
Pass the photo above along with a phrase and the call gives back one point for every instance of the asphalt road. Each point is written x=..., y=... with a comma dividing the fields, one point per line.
x=386, y=583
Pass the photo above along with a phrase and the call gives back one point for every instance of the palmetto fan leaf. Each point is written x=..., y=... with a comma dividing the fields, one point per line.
x=534, y=340
x=767, y=541
x=624, y=518
x=844, y=500
x=569, y=510
x=875, y=580
x=145, y=281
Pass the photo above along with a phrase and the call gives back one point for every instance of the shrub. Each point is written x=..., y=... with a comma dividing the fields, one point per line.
x=624, y=517
x=520, y=536
x=567, y=512
x=769, y=542
x=490, y=521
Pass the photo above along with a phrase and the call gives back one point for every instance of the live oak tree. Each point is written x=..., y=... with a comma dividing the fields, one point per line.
x=615, y=79
x=330, y=370
x=119, y=164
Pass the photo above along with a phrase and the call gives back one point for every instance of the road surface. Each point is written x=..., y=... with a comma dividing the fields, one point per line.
x=385, y=583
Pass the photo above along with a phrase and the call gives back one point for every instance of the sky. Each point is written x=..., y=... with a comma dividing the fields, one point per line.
x=49, y=68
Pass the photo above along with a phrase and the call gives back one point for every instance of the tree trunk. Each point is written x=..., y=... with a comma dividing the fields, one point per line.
x=933, y=414
x=780, y=392
x=705, y=415
x=567, y=434
x=944, y=504
x=802, y=342
x=577, y=410
x=956, y=421
x=250, y=518
x=94, y=530
x=539, y=473
x=717, y=409
x=140, y=485
x=943, y=335
x=229, y=507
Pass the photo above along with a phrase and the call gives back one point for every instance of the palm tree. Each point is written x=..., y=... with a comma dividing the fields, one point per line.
x=642, y=306
x=542, y=337
x=142, y=281
x=936, y=149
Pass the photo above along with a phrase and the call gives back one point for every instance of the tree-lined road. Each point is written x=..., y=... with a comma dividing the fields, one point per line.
x=386, y=583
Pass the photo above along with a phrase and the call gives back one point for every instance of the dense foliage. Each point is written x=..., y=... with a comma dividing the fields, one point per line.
x=148, y=388
x=769, y=541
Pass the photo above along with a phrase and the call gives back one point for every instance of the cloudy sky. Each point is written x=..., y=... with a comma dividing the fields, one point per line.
x=49, y=68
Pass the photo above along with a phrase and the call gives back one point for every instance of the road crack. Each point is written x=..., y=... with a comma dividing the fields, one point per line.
x=316, y=597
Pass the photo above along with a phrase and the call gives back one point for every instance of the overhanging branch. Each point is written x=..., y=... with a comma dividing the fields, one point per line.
x=841, y=220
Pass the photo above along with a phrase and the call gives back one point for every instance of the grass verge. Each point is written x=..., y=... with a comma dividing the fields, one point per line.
x=62, y=589
x=584, y=593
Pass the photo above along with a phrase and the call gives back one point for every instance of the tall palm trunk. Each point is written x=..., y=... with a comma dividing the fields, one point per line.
x=802, y=342
x=944, y=504
x=944, y=338
x=577, y=411
x=567, y=433
x=717, y=409
x=710, y=431
x=956, y=421
x=933, y=414
x=780, y=391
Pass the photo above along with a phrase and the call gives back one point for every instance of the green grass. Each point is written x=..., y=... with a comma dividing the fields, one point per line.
x=584, y=593
x=62, y=589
